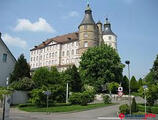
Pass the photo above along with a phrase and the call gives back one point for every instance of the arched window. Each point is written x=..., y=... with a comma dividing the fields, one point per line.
x=85, y=44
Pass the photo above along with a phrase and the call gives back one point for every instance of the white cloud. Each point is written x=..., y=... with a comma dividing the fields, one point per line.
x=14, y=41
x=71, y=14
x=40, y=26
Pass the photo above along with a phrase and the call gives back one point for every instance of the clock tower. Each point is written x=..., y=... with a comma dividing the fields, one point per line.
x=88, y=32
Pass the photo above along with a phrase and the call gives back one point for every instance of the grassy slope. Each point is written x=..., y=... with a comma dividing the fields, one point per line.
x=66, y=108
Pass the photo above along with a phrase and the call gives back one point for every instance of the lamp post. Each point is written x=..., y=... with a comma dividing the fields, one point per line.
x=67, y=92
x=145, y=88
x=128, y=62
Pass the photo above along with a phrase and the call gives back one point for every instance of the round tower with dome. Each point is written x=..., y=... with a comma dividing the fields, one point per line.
x=88, y=32
x=109, y=37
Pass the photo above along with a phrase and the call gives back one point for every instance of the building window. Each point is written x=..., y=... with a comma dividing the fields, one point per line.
x=52, y=54
x=109, y=37
x=77, y=51
x=72, y=52
x=63, y=53
x=85, y=27
x=55, y=54
x=49, y=55
x=85, y=44
x=72, y=44
x=67, y=53
x=4, y=57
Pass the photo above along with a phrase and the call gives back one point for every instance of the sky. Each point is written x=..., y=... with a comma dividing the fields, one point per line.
x=26, y=23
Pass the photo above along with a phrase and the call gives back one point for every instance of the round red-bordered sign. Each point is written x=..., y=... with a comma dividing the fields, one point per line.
x=120, y=94
x=121, y=116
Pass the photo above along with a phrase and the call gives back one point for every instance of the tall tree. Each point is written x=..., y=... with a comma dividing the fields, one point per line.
x=154, y=70
x=74, y=79
x=21, y=69
x=134, y=84
x=140, y=82
x=99, y=65
x=125, y=84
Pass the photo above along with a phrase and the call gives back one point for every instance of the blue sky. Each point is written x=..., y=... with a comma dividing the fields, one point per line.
x=26, y=23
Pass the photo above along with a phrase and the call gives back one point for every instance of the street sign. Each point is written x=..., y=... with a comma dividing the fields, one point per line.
x=120, y=93
x=120, y=89
x=48, y=93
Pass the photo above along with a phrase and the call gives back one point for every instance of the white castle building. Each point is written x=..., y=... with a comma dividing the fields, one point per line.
x=66, y=50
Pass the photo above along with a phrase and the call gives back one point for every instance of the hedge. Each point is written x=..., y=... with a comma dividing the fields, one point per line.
x=148, y=109
x=154, y=110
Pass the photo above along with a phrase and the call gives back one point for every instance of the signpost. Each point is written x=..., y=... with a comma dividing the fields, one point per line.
x=120, y=91
x=48, y=93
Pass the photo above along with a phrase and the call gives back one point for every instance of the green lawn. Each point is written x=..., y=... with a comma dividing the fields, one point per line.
x=63, y=108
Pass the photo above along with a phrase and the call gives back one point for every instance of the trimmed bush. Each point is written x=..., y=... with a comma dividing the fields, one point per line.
x=134, y=106
x=154, y=110
x=81, y=98
x=141, y=108
x=107, y=99
x=124, y=109
x=75, y=98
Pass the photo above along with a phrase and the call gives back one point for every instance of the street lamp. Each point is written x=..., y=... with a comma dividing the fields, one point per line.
x=67, y=92
x=145, y=88
x=128, y=62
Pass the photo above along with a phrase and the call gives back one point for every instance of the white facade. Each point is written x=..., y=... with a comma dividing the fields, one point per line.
x=7, y=62
x=110, y=40
x=55, y=54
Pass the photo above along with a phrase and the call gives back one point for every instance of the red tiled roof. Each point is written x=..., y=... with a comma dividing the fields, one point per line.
x=59, y=39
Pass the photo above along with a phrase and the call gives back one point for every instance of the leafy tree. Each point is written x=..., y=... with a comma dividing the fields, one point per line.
x=155, y=70
x=134, y=84
x=21, y=70
x=25, y=84
x=73, y=78
x=140, y=82
x=134, y=105
x=41, y=77
x=112, y=87
x=151, y=93
x=99, y=65
x=125, y=84
x=149, y=78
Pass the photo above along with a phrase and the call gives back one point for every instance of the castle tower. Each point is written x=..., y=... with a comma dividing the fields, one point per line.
x=100, y=32
x=88, y=32
x=109, y=37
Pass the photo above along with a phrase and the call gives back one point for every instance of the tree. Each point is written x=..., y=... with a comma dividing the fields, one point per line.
x=73, y=78
x=149, y=78
x=125, y=84
x=154, y=70
x=41, y=77
x=140, y=82
x=21, y=70
x=112, y=87
x=134, y=105
x=151, y=93
x=134, y=84
x=99, y=65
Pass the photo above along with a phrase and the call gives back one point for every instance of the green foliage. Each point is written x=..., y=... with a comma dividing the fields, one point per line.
x=151, y=93
x=48, y=80
x=124, y=109
x=81, y=98
x=106, y=99
x=154, y=110
x=154, y=70
x=142, y=108
x=125, y=85
x=149, y=78
x=134, y=84
x=37, y=97
x=112, y=87
x=99, y=65
x=73, y=78
x=75, y=98
x=25, y=84
x=21, y=70
x=140, y=82
x=4, y=91
x=41, y=77
x=134, y=106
